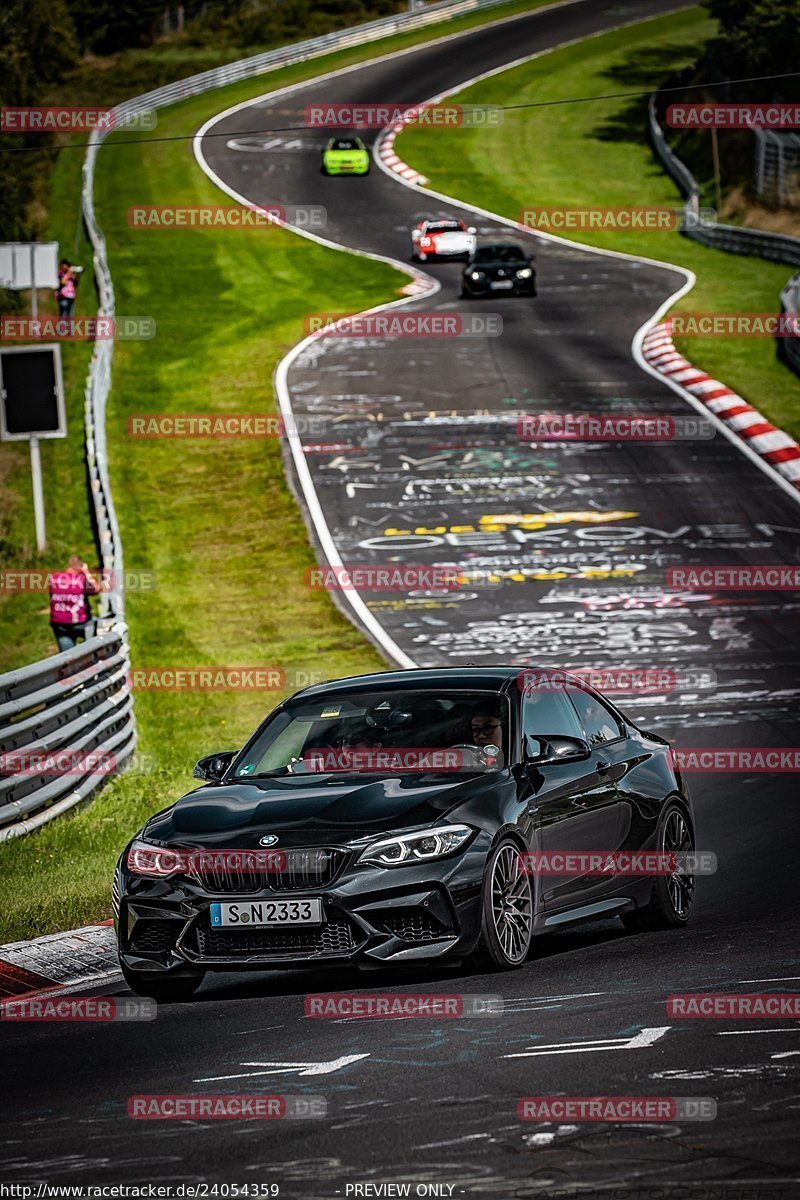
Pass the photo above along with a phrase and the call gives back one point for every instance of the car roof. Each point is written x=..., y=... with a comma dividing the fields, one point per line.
x=494, y=678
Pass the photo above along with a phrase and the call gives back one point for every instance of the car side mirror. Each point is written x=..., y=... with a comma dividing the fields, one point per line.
x=555, y=748
x=472, y=229
x=212, y=767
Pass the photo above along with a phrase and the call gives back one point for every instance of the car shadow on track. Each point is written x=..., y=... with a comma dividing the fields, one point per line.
x=299, y=982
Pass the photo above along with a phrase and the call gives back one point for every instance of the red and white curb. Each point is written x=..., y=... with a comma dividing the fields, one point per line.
x=59, y=961
x=386, y=152
x=418, y=287
x=772, y=445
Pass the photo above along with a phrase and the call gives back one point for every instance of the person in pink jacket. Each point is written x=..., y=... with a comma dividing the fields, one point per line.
x=65, y=292
x=70, y=614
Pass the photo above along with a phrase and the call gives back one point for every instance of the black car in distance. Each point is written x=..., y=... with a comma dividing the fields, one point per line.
x=393, y=818
x=498, y=268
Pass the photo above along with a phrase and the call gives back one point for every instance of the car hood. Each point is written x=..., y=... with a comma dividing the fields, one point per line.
x=237, y=814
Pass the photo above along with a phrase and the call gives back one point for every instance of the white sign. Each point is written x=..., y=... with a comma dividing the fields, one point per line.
x=15, y=264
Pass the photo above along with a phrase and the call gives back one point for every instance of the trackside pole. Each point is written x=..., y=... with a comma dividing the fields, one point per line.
x=38, y=495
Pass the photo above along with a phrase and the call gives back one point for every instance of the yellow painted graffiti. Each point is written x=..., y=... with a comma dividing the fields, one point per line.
x=498, y=523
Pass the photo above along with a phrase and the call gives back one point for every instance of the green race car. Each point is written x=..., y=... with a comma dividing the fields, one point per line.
x=345, y=156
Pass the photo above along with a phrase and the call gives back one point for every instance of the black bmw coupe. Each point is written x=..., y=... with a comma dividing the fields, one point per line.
x=415, y=815
x=498, y=268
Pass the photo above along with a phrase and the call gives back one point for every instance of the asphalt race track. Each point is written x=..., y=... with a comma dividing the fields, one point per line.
x=435, y=1102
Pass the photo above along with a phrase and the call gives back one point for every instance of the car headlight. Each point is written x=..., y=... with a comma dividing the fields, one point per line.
x=476, y=275
x=157, y=862
x=524, y=273
x=422, y=846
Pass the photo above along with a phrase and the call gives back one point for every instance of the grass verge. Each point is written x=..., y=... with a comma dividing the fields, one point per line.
x=596, y=154
x=214, y=521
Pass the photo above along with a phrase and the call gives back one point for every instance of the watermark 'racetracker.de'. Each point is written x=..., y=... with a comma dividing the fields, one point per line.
x=226, y=216
x=79, y=1008
x=645, y=220
x=379, y=114
x=744, y=759
x=605, y=427
x=230, y=1107
x=736, y=577
x=616, y=1109
x=389, y=577
x=404, y=325
x=639, y=680
x=338, y=1005
x=37, y=763
x=165, y=678
x=71, y=119
x=77, y=329
x=223, y=425
x=633, y=863
x=738, y=325
x=738, y=115
x=107, y=580
x=735, y=1005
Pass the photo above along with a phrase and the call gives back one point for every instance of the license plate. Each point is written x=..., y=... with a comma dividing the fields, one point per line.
x=259, y=913
x=502, y=283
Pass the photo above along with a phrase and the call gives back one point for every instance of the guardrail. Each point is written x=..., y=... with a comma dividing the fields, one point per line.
x=79, y=700
x=66, y=722
x=76, y=703
x=735, y=239
x=66, y=725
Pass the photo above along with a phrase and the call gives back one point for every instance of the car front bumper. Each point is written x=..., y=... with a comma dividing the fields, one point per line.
x=425, y=252
x=519, y=287
x=371, y=916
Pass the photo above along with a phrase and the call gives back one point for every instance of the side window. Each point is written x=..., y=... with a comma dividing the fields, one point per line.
x=549, y=712
x=599, y=723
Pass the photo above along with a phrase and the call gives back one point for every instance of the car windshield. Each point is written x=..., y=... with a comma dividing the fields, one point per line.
x=382, y=733
x=345, y=144
x=501, y=253
x=445, y=227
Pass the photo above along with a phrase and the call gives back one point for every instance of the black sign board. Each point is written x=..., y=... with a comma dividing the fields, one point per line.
x=31, y=393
